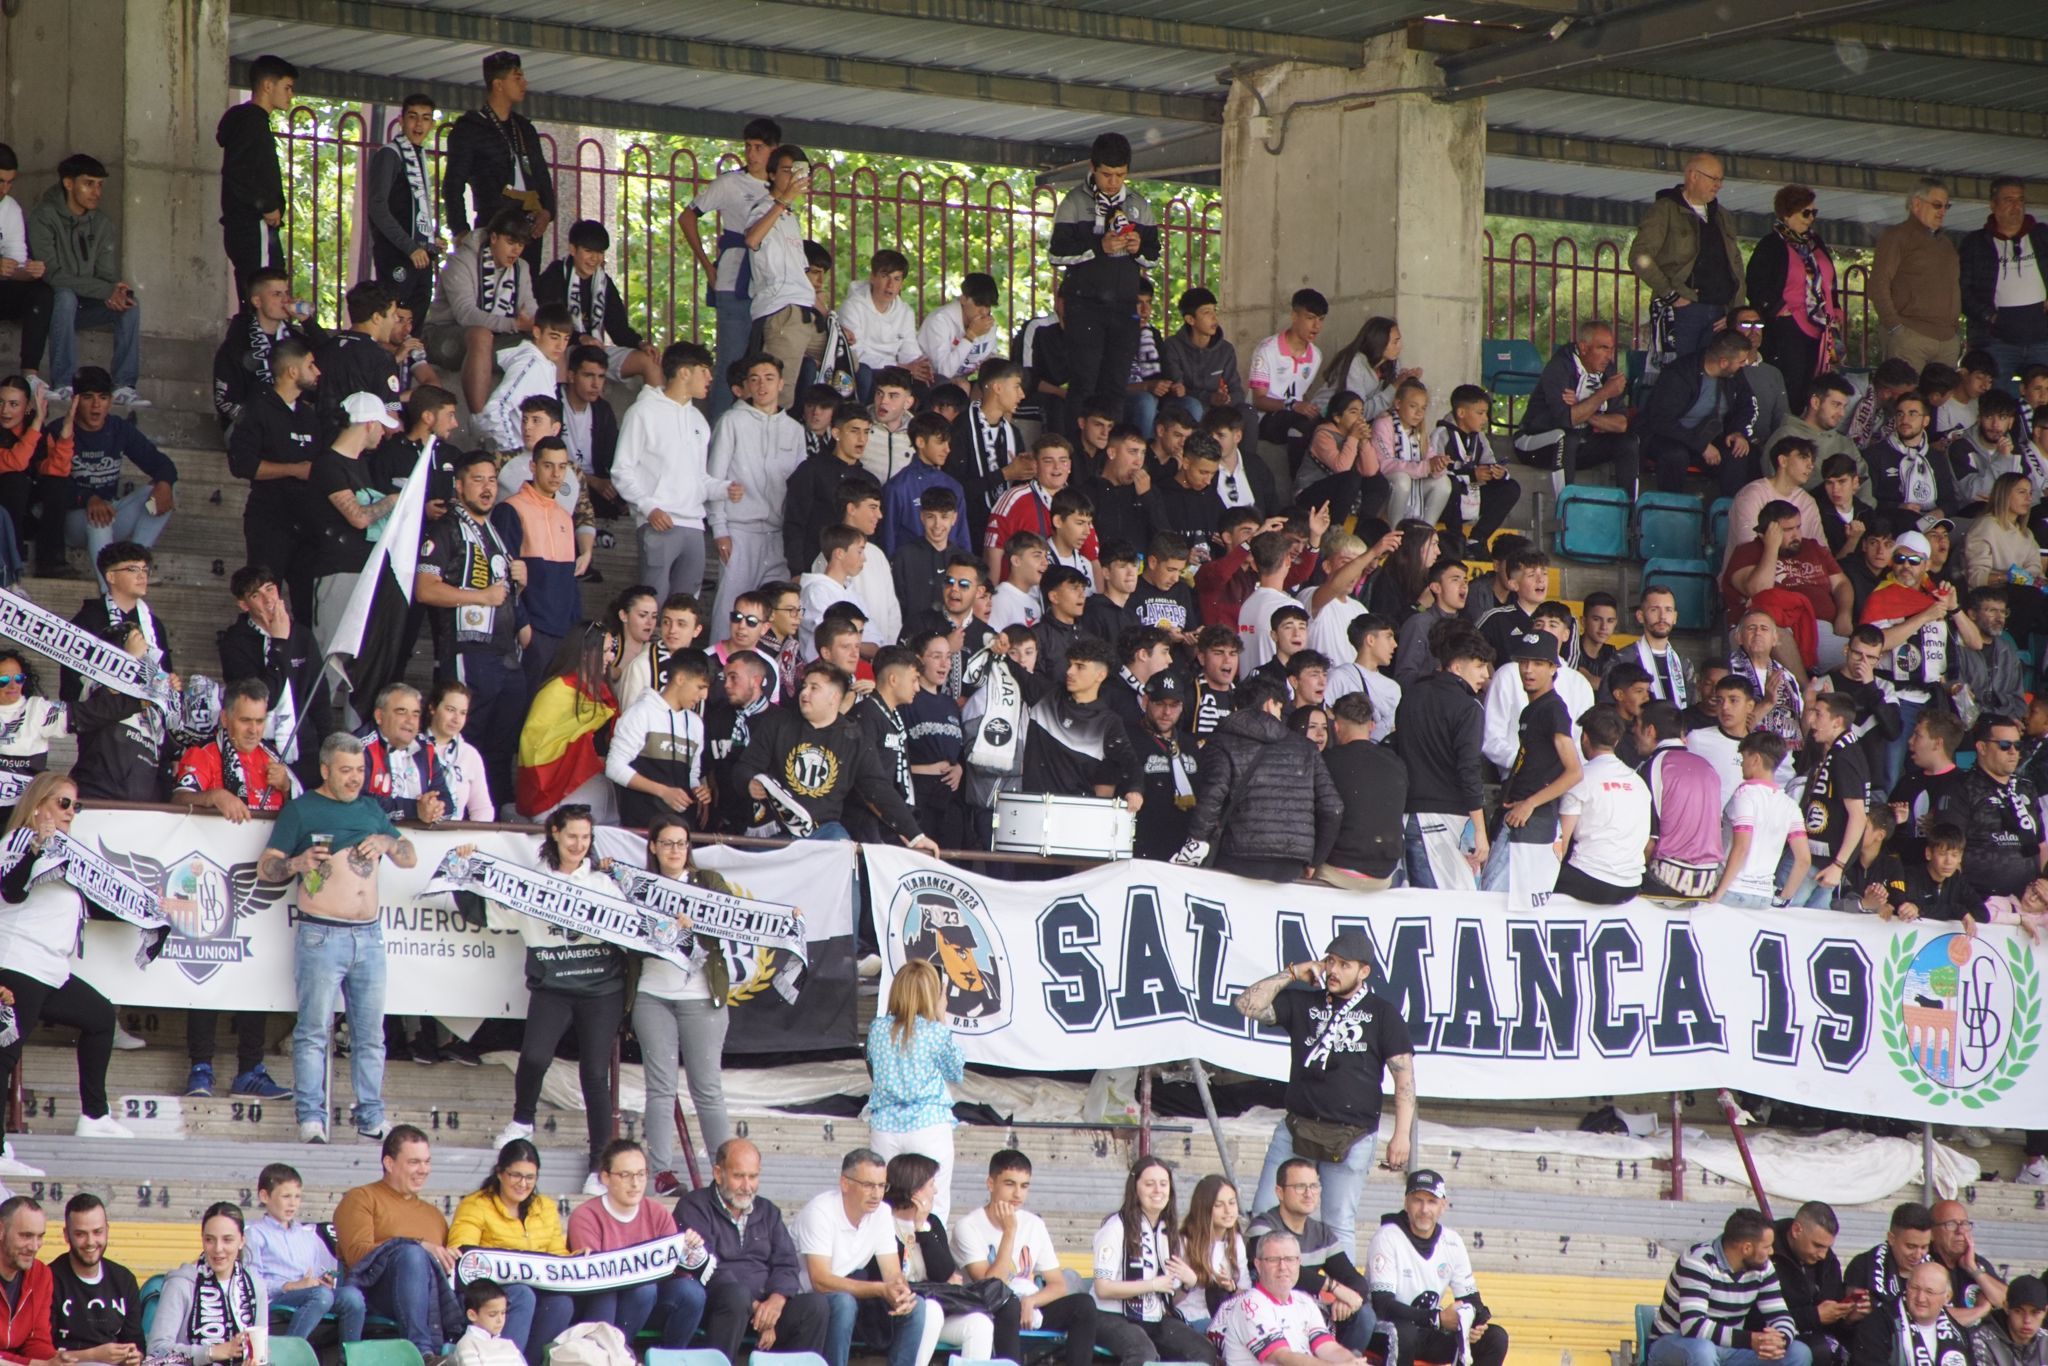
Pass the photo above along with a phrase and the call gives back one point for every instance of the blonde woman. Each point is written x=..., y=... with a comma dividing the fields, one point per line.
x=39, y=928
x=912, y=1056
x=2001, y=547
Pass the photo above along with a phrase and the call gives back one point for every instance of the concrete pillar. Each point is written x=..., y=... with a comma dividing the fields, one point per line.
x=140, y=86
x=1360, y=184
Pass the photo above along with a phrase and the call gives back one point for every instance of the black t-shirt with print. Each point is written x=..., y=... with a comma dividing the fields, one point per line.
x=87, y=1314
x=1538, y=766
x=1334, y=1070
x=1170, y=609
x=1847, y=779
x=339, y=547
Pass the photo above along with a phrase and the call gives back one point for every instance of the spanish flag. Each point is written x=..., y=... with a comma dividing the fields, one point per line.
x=558, y=746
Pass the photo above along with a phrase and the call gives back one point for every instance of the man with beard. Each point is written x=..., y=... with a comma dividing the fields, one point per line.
x=1671, y=675
x=727, y=729
x=1823, y=1314
x=1715, y=1292
x=1422, y=1285
x=757, y=1288
x=96, y=1312
x=1168, y=766
x=1837, y=787
x=1878, y=1277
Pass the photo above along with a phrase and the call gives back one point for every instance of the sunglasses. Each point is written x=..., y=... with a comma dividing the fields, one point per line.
x=8, y=680
x=2007, y=745
x=69, y=803
x=1909, y=559
x=746, y=619
x=961, y=583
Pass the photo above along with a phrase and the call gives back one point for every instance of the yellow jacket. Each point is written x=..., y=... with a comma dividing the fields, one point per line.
x=480, y=1221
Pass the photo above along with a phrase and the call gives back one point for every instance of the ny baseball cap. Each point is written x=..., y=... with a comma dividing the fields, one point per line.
x=1533, y=644
x=1164, y=687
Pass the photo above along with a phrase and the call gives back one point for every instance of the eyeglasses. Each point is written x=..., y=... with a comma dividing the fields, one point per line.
x=522, y=1178
x=672, y=845
x=629, y=1177
x=1302, y=1186
x=1965, y=1225
x=866, y=1185
x=746, y=619
x=8, y=680
x=1909, y=559
x=128, y=569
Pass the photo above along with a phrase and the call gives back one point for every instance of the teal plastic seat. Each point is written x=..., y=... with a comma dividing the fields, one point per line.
x=1694, y=584
x=1592, y=523
x=1669, y=526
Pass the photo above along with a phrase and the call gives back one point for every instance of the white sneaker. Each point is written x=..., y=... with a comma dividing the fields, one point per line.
x=592, y=1185
x=61, y=394
x=511, y=1131
x=129, y=397
x=870, y=966
x=10, y=1165
x=106, y=1126
x=127, y=1042
x=1972, y=1138
x=2035, y=1173
x=312, y=1131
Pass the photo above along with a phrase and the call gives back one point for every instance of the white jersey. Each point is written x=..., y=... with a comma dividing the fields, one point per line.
x=1250, y=1327
x=1393, y=1265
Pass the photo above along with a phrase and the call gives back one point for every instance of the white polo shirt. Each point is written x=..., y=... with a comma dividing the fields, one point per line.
x=823, y=1230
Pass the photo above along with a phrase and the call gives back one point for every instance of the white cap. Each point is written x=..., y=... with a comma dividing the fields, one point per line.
x=361, y=407
x=1913, y=543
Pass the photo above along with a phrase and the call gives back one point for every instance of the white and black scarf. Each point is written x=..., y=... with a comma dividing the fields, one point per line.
x=1667, y=679
x=1916, y=471
x=554, y=899
x=414, y=159
x=993, y=744
x=485, y=564
x=993, y=444
x=1820, y=789
x=1322, y=1048
x=235, y=782
x=78, y=649
x=587, y=309
x=1110, y=215
x=719, y=918
x=219, y=1312
x=281, y=727
x=1951, y=1348
x=497, y=290
x=111, y=888
x=1145, y=1259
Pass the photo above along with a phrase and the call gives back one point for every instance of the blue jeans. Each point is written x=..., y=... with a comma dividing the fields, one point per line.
x=1673, y=1350
x=1343, y=1185
x=1692, y=325
x=1895, y=752
x=537, y=1317
x=408, y=1292
x=830, y=830
x=70, y=314
x=909, y=1335
x=679, y=1299
x=735, y=323
x=2013, y=358
x=346, y=960
x=315, y=1302
x=841, y=1308
x=1141, y=410
x=133, y=521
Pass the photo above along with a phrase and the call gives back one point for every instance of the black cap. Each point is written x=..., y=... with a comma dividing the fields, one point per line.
x=2027, y=1292
x=1532, y=644
x=1426, y=1182
x=1165, y=687
x=1350, y=945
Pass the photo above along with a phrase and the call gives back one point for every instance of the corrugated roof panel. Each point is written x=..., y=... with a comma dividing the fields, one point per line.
x=1639, y=187
x=2017, y=20
x=1850, y=68
x=1600, y=116
x=1324, y=18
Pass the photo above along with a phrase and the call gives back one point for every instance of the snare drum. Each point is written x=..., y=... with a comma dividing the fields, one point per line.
x=1076, y=827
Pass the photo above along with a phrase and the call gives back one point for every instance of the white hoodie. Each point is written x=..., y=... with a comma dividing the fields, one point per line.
x=662, y=459
x=758, y=451
x=527, y=372
x=878, y=339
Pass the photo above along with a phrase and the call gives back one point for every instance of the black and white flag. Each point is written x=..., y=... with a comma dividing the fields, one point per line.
x=364, y=650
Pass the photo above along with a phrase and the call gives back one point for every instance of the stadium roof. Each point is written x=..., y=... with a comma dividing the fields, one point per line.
x=1591, y=104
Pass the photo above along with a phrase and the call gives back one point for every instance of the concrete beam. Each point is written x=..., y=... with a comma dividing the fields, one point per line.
x=1848, y=176
x=1017, y=16
x=1904, y=40
x=692, y=54
x=1659, y=28
x=1889, y=111
x=661, y=118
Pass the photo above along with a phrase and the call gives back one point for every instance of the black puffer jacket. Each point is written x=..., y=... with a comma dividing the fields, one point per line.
x=1263, y=793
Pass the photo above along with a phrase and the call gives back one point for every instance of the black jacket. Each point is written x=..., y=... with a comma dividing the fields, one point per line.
x=1978, y=256
x=807, y=507
x=1546, y=411
x=241, y=363
x=352, y=362
x=2003, y=830
x=246, y=652
x=1672, y=397
x=250, y=183
x=1258, y=772
x=269, y=429
x=1438, y=729
x=1887, y=484
x=1805, y=1287
x=1372, y=782
x=552, y=287
x=1070, y=747
x=480, y=162
x=1769, y=264
x=124, y=752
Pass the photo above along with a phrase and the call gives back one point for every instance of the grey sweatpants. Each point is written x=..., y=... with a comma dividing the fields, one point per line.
x=695, y=1032
x=672, y=561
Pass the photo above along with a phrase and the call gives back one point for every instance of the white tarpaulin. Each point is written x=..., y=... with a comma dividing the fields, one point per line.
x=1138, y=962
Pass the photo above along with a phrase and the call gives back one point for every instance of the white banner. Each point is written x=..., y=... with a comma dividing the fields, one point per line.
x=1137, y=963
x=231, y=942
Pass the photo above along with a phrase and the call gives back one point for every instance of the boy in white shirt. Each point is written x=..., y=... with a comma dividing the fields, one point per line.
x=1374, y=644
x=1609, y=812
x=881, y=329
x=754, y=450
x=657, y=755
x=662, y=471
x=874, y=585
x=1761, y=820
x=844, y=551
x=1016, y=601
x=484, y=1342
x=958, y=336
x=1003, y=1241
x=25, y=296
x=532, y=367
x=1284, y=368
x=785, y=303
x=736, y=197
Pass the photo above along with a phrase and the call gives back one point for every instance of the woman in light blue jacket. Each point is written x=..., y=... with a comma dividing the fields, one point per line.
x=912, y=1055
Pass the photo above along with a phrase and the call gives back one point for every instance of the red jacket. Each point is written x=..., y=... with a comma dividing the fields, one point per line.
x=1222, y=585
x=25, y=1333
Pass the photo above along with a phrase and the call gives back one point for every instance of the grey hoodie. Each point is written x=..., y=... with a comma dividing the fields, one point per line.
x=1196, y=367
x=82, y=251
x=1995, y=1345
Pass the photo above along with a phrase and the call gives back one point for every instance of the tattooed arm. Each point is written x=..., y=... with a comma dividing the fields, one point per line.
x=403, y=854
x=1402, y=1065
x=1256, y=1001
x=274, y=866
